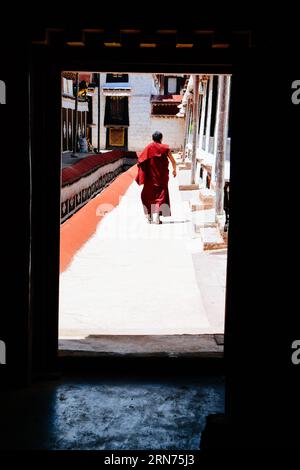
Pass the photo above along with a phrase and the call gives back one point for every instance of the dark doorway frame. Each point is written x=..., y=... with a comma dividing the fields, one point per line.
x=32, y=282
x=47, y=63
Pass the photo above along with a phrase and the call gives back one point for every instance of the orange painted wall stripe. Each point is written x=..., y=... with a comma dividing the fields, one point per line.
x=79, y=228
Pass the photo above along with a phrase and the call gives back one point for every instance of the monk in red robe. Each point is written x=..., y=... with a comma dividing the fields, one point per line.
x=153, y=173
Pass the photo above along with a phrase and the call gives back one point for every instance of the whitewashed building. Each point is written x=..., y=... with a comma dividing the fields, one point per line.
x=133, y=106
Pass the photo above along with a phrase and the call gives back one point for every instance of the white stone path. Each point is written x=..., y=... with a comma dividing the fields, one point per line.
x=135, y=278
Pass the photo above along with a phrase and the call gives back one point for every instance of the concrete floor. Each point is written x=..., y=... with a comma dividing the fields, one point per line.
x=210, y=271
x=95, y=414
x=144, y=346
x=132, y=278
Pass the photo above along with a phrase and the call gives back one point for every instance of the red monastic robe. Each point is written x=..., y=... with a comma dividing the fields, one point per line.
x=153, y=173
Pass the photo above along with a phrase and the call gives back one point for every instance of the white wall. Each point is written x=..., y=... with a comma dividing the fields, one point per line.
x=141, y=123
x=172, y=130
x=139, y=132
x=95, y=121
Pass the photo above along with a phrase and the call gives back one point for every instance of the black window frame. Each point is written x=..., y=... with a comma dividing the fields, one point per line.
x=117, y=78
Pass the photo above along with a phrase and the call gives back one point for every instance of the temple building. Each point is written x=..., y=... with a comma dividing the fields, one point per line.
x=134, y=105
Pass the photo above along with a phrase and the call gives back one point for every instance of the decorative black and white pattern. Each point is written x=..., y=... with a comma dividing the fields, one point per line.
x=76, y=195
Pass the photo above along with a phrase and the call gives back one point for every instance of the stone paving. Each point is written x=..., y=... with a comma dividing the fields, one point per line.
x=135, y=278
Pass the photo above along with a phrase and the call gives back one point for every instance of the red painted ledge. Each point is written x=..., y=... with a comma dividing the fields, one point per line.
x=79, y=228
x=91, y=163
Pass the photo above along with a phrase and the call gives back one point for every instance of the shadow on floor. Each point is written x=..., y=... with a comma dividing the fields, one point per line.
x=108, y=414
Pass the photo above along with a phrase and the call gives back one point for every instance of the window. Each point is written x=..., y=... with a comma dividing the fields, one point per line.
x=116, y=111
x=172, y=85
x=164, y=109
x=67, y=87
x=214, y=107
x=117, y=78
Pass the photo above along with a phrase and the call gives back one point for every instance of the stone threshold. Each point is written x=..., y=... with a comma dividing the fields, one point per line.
x=185, y=345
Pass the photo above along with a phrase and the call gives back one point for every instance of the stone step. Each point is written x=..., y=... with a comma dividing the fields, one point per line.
x=214, y=246
x=207, y=246
x=200, y=206
x=207, y=196
x=188, y=187
x=204, y=217
x=199, y=227
x=212, y=238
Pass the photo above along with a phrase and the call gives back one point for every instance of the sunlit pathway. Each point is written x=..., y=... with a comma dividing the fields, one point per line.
x=131, y=277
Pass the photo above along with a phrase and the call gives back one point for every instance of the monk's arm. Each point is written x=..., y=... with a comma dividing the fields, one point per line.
x=171, y=158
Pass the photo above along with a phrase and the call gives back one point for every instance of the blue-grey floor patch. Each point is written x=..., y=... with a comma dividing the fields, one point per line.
x=98, y=415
